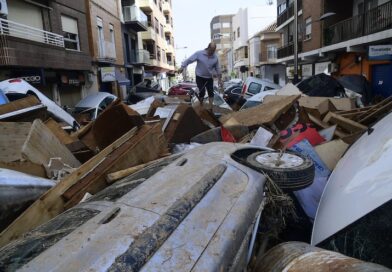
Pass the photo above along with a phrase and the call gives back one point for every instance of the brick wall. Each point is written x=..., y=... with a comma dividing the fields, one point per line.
x=313, y=9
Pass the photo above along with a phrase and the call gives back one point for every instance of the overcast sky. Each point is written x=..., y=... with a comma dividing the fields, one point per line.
x=192, y=21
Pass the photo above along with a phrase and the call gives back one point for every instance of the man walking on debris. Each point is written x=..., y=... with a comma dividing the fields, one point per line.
x=207, y=67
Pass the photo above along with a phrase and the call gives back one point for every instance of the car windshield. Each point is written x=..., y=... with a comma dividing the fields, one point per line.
x=250, y=104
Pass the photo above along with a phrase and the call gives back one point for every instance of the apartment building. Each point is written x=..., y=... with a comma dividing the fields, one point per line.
x=106, y=46
x=45, y=42
x=134, y=21
x=340, y=38
x=245, y=23
x=156, y=44
x=263, y=55
x=221, y=29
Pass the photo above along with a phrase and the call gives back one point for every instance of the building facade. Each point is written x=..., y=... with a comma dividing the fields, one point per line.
x=354, y=40
x=106, y=47
x=221, y=29
x=156, y=45
x=45, y=43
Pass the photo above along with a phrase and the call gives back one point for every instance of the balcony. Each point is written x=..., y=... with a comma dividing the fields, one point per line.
x=288, y=13
x=135, y=18
x=166, y=7
x=107, y=52
x=149, y=35
x=146, y=5
x=168, y=29
x=140, y=57
x=288, y=50
x=13, y=29
x=373, y=21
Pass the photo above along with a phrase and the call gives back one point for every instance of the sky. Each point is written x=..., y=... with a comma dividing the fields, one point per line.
x=192, y=21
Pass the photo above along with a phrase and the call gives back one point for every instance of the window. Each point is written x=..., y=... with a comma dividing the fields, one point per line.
x=254, y=88
x=70, y=33
x=101, y=40
x=246, y=52
x=167, y=19
x=226, y=25
x=112, y=39
x=162, y=35
x=159, y=53
x=216, y=26
x=156, y=25
x=281, y=8
x=272, y=51
x=238, y=32
x=234, y=35
x=308, y=28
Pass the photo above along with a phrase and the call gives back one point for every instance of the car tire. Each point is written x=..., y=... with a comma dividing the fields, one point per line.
x=296, y=171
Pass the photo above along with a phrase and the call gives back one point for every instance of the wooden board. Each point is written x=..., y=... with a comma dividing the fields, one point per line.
x=266, y=113
x=19, y=104
x=324, y=125
x=344, y=123
x=51, y=203
x=60, y=133
x=41, y=145
x=25, y=167
x=12, y=138
x=144, y=147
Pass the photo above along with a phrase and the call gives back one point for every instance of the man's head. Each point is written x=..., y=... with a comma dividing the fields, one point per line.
x=211, y=48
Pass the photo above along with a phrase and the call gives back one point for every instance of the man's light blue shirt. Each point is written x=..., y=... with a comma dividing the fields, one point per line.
x=207, y=66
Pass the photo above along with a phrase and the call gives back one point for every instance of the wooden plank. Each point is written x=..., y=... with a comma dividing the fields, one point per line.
x=266, y=113
x=324, y=125
x=144, y=147
x=25, y=167
x=12, y=138
x=344, y=123
x=51, y=203
x=41, y=145
x=382, y=110
x=19, y=104
x=59, y=132
x=112, y=177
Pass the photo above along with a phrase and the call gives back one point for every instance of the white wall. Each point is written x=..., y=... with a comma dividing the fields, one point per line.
x=254, y=51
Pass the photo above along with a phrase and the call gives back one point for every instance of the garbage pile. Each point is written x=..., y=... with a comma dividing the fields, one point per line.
x=54, y=168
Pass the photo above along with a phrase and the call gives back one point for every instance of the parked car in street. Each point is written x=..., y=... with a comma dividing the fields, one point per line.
x=255, y=85
x=143, y=90
x=17, y=88
x=257, y=99
x=181, y=89
x=93, y=104
x=199, y=211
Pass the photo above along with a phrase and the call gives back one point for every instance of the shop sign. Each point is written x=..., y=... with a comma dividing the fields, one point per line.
x=72, y=79
x=34, y=76
x=380, y=52
x=108, y=74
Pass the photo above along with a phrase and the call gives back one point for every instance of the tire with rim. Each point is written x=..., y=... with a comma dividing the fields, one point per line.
x=292, y=172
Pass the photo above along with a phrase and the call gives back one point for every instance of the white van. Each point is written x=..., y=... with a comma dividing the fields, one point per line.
x=255, y=85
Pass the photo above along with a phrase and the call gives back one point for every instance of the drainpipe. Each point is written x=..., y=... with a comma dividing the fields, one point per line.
x=296, y=80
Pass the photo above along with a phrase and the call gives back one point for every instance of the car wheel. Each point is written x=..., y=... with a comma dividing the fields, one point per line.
x=289, y=170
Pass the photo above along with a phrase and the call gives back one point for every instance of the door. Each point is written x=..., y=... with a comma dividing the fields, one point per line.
x=382, y=79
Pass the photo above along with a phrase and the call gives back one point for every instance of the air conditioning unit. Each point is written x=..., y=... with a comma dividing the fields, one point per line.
x=3, y=7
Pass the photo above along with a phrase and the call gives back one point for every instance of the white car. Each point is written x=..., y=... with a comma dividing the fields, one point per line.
x=18, y=88
x=253, y=86
x=94, y=104
x=257, y=99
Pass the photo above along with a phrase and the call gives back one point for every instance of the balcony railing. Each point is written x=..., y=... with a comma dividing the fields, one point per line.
x=372, y=21
x=288, y=13
x=288, y=50
x=14, y=29
x=135, y=17
x=140, y=56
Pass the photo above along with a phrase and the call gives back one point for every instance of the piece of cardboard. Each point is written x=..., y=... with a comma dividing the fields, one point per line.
x=331, y=152
x=184, y=125
x=261, y=138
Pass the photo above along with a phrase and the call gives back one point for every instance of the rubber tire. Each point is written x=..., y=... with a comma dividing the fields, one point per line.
x=295, y=178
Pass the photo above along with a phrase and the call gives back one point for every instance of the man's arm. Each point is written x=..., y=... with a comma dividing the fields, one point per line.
x=188, y=61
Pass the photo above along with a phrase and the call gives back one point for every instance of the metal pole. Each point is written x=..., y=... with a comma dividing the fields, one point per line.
x=295, y=42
